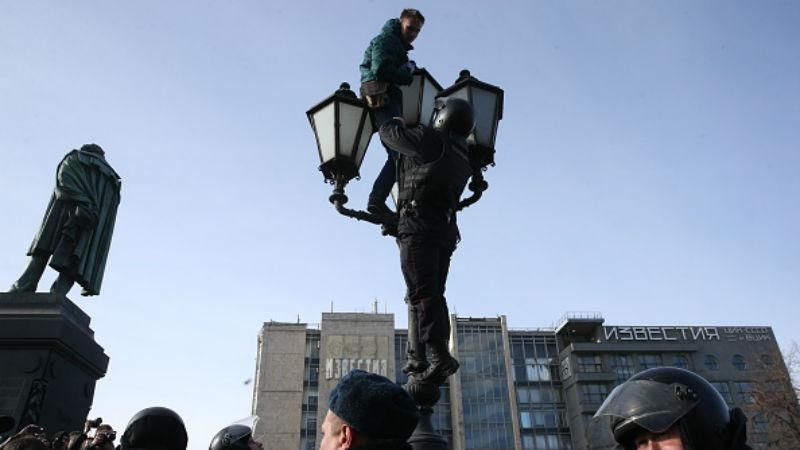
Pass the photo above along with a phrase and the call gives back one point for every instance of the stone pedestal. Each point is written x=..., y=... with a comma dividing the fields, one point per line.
x=49, y=361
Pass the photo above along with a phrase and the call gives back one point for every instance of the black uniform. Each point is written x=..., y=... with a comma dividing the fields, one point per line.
x=433, y=169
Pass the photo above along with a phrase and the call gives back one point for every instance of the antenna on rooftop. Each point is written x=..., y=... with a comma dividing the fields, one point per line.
x=375, y=306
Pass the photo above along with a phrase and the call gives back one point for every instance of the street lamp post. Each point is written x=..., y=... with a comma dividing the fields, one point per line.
x=419, y=98
x=343, y=126
x=487, y=101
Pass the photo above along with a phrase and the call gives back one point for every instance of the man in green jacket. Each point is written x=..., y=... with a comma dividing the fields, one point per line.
x=385, y=66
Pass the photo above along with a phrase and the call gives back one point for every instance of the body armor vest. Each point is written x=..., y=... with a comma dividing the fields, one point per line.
x=435, y=187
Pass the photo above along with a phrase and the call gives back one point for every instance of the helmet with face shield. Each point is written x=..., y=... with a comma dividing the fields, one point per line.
x=657, y=399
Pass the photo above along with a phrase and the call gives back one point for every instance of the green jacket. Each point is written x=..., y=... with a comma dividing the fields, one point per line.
x=385, y=56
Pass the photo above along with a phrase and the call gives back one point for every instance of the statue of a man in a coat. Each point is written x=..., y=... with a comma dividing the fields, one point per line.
x=75, y=234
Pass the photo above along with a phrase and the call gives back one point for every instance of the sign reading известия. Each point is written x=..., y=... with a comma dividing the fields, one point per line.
x=685, y=333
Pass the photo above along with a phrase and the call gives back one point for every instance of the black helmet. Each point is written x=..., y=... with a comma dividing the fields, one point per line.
x=453, y=114
x=656, y=399
x=232, y=437
x=155, y=427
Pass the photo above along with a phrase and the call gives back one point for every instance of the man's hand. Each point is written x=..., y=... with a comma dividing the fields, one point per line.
x=410, y=66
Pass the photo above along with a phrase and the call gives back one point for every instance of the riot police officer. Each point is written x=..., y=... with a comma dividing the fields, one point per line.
x=433, y=169
x=671, y=408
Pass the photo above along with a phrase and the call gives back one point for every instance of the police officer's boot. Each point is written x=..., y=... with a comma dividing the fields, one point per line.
x=442, y=364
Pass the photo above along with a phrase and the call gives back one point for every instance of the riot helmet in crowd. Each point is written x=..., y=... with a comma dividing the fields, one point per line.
x=455, y=115
x=232, y=437
x=657, y=399
x=155, y=428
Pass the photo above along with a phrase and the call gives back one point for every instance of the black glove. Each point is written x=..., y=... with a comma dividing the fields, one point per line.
x=389, y=229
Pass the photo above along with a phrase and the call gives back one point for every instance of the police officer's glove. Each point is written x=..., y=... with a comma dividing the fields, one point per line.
x=389, y=226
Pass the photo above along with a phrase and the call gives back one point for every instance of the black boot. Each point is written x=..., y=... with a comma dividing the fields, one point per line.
x=442, y=364
x=415, y=366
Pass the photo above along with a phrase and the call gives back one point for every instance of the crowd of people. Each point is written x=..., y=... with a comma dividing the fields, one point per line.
x=154, y=428
x=663, y=408
x=366, y=411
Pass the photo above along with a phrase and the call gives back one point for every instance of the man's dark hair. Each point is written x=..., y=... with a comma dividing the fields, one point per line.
x=25, y=443
x=412, y=13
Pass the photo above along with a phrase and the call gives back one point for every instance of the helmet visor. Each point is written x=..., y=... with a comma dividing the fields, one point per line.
x=649, y=404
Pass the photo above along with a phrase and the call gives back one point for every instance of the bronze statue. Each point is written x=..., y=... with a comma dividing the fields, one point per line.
x=75, y=234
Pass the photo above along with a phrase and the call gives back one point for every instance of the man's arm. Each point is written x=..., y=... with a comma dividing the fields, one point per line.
x=383, y=65
x=414, y=142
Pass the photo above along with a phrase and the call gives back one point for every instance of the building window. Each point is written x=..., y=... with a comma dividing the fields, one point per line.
x=525, y=420
x=724, y=390
x=538, y=394
x=594, y=392
x=743, y=391
x=711, y=362
x=766, y=360
x=590, y=363
x=527, y=442
x=623, y=367
x=760, y=423
x=739, y=362
x=681, y=362
x=649, y=361
x=537, y=369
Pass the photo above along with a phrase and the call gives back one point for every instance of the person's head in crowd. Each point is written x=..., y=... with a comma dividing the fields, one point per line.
x=26, y=442
x=667, y=408
x=103, y=439
x=58, y=441
x=235, y=437
x=155, y=428
x=367, y=411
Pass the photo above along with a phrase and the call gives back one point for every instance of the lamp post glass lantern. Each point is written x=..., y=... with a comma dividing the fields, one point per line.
x=342, y=126
x=487, y=101
x=419, y=98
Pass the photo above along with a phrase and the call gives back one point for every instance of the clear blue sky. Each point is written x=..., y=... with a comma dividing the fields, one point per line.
x=647, y=168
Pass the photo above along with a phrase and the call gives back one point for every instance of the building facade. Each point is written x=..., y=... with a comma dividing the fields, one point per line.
x=531, y=389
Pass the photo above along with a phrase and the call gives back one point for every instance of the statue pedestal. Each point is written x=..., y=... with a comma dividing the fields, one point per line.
x=49, y=361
